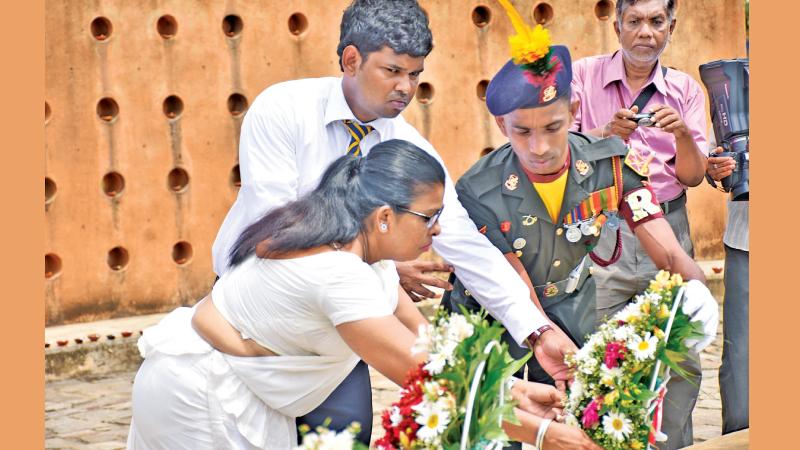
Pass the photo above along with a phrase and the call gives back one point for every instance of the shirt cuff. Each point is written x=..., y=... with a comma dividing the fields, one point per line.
x=522, y=319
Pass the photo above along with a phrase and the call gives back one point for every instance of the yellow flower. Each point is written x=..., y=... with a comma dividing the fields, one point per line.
x=646, y=307
x=611, y=398
x=663, y=312
x=658, y=333
x=404, y=441
x=529, y=44
x=676, y=279
x=636, y=445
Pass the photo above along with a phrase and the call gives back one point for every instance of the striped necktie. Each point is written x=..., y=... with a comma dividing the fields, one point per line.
x=357, y=132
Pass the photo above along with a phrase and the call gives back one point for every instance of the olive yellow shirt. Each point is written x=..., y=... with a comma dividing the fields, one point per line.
x=552, y=194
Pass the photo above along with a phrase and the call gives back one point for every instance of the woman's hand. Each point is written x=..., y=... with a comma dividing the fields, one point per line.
x=561, y=436
x=538, y=399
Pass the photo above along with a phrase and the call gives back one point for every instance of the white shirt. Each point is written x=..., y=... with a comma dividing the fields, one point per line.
x=290, y=135
x=293, y=306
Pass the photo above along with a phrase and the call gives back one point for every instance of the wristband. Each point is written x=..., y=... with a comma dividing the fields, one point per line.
x=540, y=435
x=535, y=335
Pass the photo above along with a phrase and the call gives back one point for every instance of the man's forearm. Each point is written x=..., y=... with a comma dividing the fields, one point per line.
x=690, y=164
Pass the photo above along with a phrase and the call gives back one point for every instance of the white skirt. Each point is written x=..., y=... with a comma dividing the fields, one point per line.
x=187, y=395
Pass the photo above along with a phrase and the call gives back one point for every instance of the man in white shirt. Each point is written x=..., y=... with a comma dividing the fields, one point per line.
x=295, y=129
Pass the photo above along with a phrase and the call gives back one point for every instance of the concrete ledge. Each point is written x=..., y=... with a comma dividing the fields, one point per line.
x=92, y=358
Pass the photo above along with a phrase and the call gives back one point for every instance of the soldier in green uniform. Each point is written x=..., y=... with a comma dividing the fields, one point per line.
x=544, y=197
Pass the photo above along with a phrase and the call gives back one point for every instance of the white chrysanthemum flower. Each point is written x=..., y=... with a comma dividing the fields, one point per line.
x=607, y=376
x=617, y=425
x=576, y=391
x=595, y=340
x=623, y=333
x=436, y=362
x=583, y=354
x=459, y=328
x=631, y=311
x=588, y=366
x=433, y=421
x=310, y=441
x=423, y=341
x=654, y=297
x=643, y=348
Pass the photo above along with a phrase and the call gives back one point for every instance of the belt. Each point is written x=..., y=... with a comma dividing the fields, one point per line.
x=559, y=287
x=676, y=204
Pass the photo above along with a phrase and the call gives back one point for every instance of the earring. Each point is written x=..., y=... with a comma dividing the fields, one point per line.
x=384, y=227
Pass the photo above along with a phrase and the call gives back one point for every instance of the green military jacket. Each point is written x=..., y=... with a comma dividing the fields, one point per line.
x=514, y=218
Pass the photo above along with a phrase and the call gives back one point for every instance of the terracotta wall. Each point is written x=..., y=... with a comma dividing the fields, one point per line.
x=144, y=102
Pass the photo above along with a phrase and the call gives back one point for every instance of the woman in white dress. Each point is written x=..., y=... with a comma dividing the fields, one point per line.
x=312, y=290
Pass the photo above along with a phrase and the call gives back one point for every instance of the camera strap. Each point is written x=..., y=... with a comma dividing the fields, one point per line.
x=644, y=96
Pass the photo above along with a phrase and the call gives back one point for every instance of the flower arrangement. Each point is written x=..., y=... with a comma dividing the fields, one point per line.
x=530, y=48
x=621, y=371
x=435, y=401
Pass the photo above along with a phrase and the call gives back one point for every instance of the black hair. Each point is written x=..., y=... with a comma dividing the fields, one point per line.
x=394, y=173
x=370, y=25
x=622, y=5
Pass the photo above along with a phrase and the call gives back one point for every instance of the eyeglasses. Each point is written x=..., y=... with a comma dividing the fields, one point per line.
x=430, y=221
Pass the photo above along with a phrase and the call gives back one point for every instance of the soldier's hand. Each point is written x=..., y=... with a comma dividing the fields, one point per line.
x=620, y=124
x=414, y=274
x=539, y=399
x=561, y=436
x=550, y=350
x=668, y=119
x=719, y=167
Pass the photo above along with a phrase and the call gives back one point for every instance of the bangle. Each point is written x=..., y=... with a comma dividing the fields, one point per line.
x=540, y=435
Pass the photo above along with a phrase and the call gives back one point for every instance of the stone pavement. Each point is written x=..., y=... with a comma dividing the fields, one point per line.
x=93, y=412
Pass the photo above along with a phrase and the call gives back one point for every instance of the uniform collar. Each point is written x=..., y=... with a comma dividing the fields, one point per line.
x=522, y=188
x=337, y=109
x=615, y=71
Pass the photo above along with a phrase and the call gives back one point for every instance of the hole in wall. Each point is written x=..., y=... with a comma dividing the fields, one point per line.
x=481, y=16
x=603, y=9
x=50, y=190
x=480, y=89
x=543, y=13
x=232, y=25
x=107, y=109
x=117, y=258
x=178, y=179
x=167, y=26
x=47, y=112
x=425, y=93
x=52, y=265
x=237, y=104
x=113, y=184
x=236, y=177
x=298, y=24
x=182, y=252
x=173, y=106
x=101, y=28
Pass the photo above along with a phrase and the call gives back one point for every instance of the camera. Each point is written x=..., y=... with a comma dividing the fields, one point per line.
x=728, y=85
x=644, y=119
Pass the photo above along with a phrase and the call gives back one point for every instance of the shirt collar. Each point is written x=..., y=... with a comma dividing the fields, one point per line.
x=337, y=109
x=615, y=71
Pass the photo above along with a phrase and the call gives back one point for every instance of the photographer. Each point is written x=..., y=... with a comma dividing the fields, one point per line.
x=672, y=140
x=733, y=374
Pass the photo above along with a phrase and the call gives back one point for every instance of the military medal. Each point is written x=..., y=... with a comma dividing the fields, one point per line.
x=586, y=226
x=511, y=182
x=573, y=233
x=519, y=243
x=529, y=220
x=582, y=167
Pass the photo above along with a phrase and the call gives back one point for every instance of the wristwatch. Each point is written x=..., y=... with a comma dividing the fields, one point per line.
x=535, y=335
